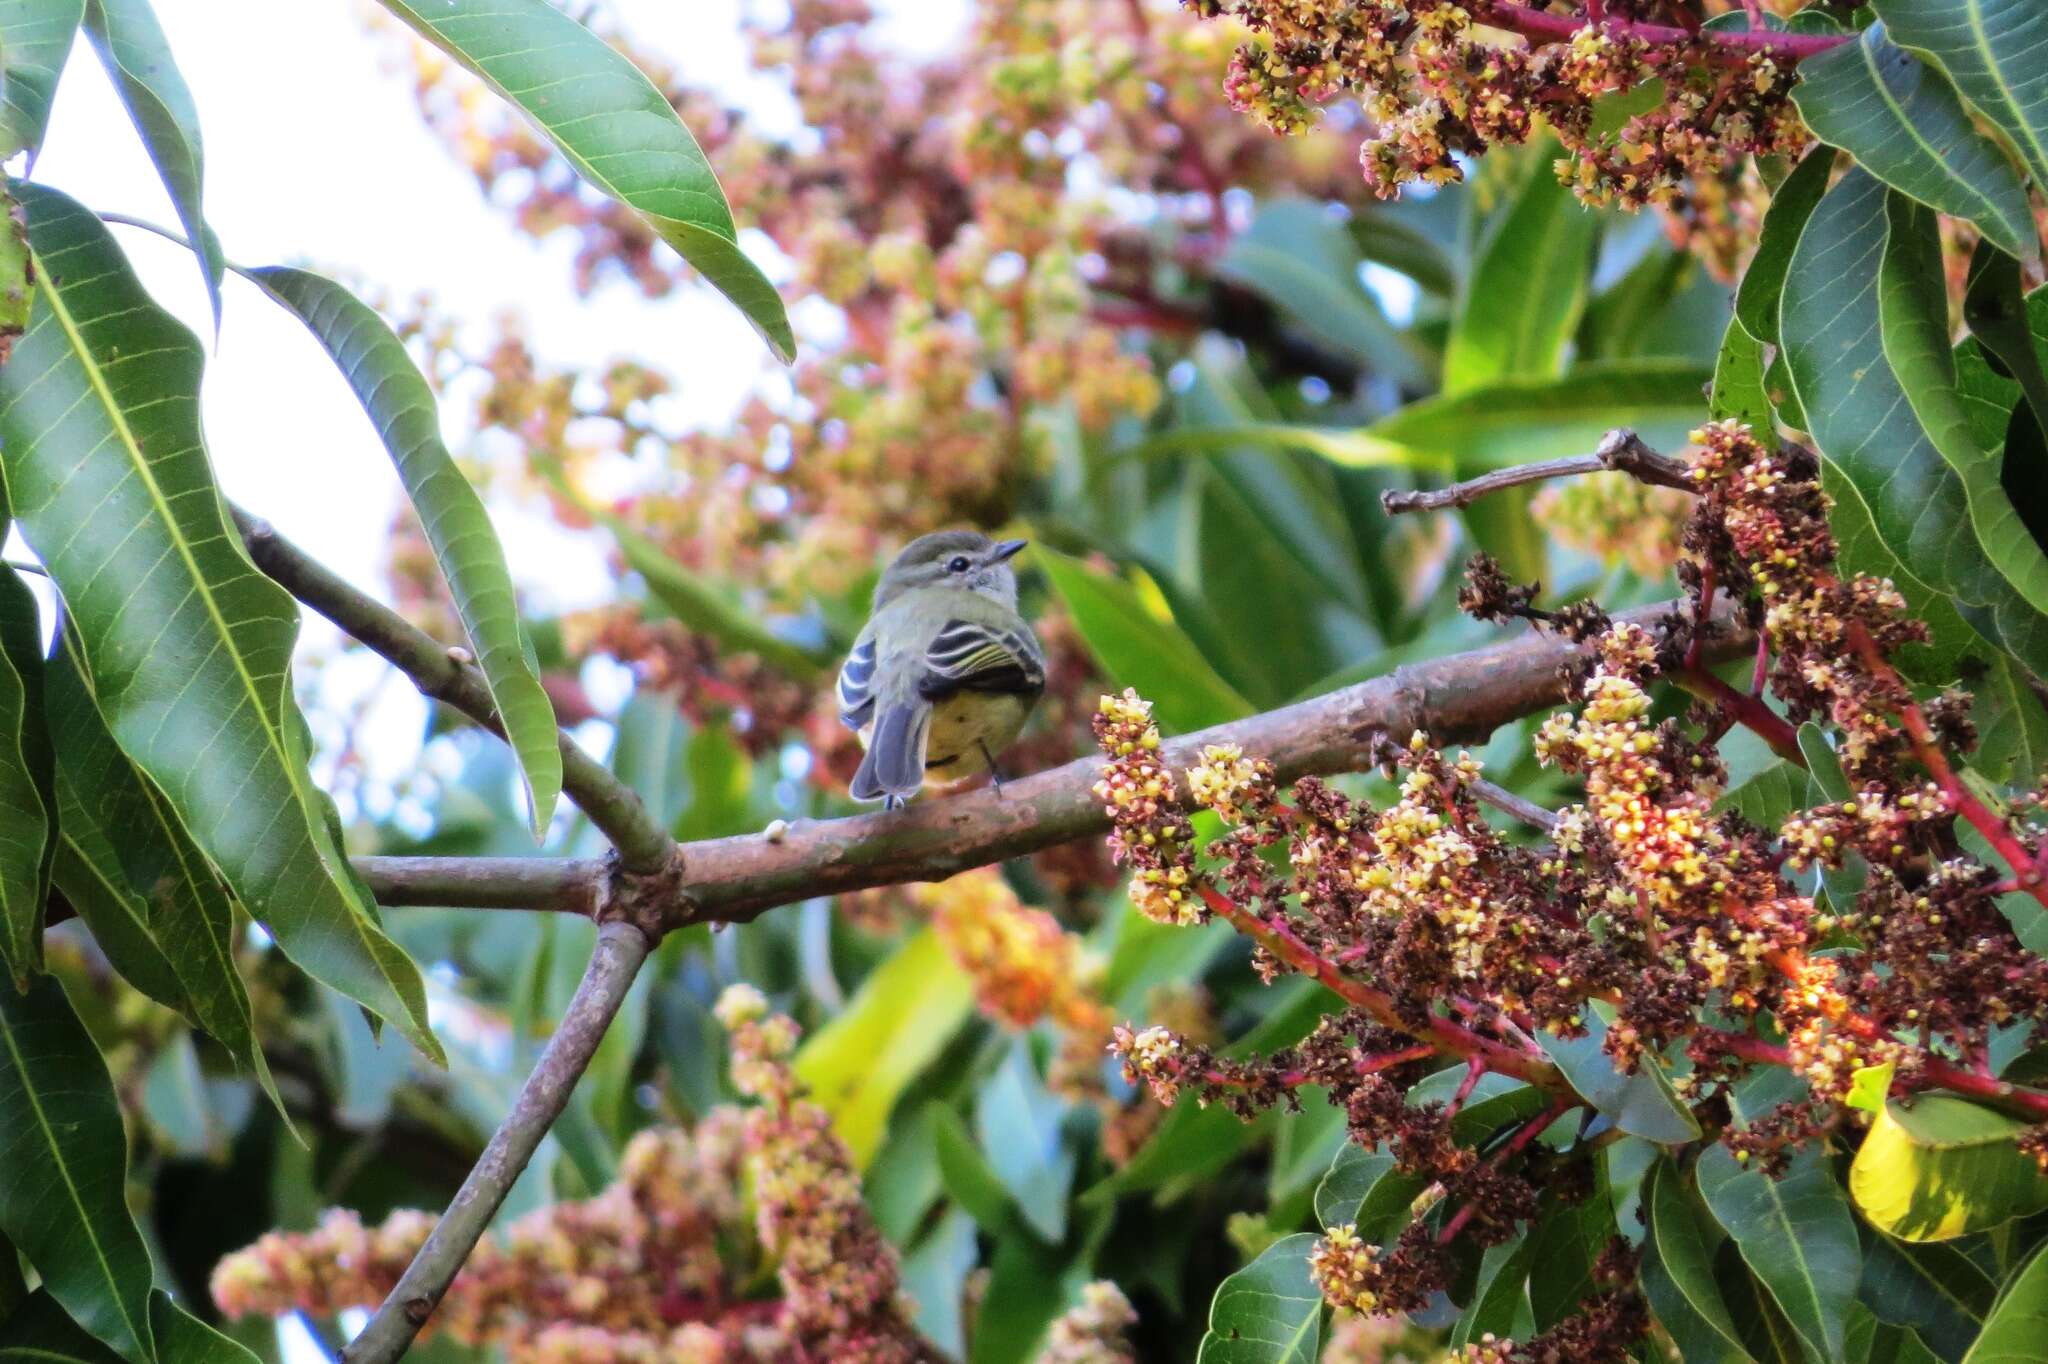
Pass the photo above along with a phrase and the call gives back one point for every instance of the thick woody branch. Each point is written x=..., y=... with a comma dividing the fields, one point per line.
x=1620, y=449
x=446, y=676
x=621, y=948
x=1463, y=697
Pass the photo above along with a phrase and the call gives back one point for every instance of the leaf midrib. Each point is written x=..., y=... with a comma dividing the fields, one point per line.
x=201, y=588
x=85, y=1221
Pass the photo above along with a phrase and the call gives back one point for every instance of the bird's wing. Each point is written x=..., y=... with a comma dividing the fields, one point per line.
x=972, y=655
x=856, y=685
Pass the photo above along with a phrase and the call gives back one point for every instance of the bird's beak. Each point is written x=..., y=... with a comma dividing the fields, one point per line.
x=1007, y=549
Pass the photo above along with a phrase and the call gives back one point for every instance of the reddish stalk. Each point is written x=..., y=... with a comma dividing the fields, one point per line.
x=1748, y=711
x=1474, y=1068
x=1722, y=47
x=1763, y=665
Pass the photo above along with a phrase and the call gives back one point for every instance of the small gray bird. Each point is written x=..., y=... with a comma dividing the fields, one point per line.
x=944, y=672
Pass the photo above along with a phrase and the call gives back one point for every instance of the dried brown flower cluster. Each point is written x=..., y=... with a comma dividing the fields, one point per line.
x=1447, y=942
x=1439, y=81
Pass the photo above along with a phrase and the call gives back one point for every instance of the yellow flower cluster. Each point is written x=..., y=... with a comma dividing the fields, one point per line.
x=1025, y=967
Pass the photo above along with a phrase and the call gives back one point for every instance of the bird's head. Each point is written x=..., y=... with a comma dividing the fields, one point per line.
x=964, y=559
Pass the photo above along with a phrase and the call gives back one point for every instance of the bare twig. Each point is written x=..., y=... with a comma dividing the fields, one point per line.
x=1620, y=449
x=644, y=846
x=1508, y=803
x=621, y=948
x=1462, y=697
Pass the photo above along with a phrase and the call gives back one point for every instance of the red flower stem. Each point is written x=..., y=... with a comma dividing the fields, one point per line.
x=1763, y=665
x=2024, y=862
x=1456, y=1224
x=1749, y=711
x=1444, y=1035
x=1364, y=1065
x=1701, y=609
x=1723, y=46
x=1935, y=1071
x=1474, y=1068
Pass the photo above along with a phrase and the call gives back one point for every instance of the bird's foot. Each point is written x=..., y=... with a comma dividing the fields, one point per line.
x=996, y=775
x=894, y=802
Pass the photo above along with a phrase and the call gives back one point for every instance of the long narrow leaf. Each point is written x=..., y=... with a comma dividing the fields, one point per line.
x=187, y=645
x=25, y=781
x=615, y=128
x=35, y=38
x=63, y=1201
x=1993, y=50
x=400, y=403
x=138, y=61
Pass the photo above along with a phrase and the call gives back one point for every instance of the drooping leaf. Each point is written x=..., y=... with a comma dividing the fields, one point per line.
x=1992, y=50
x=187, y=644
x=1680, y=1246
x=858, y=1064
x=1269, y=1312
x=1940, y=1167
x=1642, y=1103
x=1500, y=1295
x=400, y=404
x=64, y=1200
x=27, y=781
x=1738, y=390
x=1933, y=1288
x=1797, y=1235
x=137, y=59
x=1900, y=118
x=35, y=38
x=1139, y=646
x=1756, y=299
x=1527, y=289
x=1569, y=1238
x=611, y=123
x=1999, y=317
x=126, y=850
x=182, y=1338
x=2016, y=1332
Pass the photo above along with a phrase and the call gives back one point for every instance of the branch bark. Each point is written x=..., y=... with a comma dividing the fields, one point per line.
x=1462, y=697
x=644, y=846
x=621, y=949
x=1620, y=449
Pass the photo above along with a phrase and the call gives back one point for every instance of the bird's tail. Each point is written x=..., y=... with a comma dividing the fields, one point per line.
x=894, y=765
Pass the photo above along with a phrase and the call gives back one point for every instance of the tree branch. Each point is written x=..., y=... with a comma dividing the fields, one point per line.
x=644, y=846
x=621, y=948
x=1462, y=697
x=1620, y=449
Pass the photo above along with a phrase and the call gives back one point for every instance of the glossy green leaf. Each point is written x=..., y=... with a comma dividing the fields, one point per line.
x=1939, y=1167
x=1796, y=1234
x=966, y=1174
x=136, y=872
x=189, y=647
x=1996, y=310
x=1870, y=1340
x=1385, y=235
x=1913, y=313
x=1902, y=121
x=137, y=59
x=40, y=1333
x=401, y=405
x=1501, y=1293
x=1642, y=1103
x=27, y=794
x=64, y=1201
x=1738, y=390
x=1933, y=1288
x=1763, y=283
x=2016, y=1332
x=1769, y=796
x=35, y=38
x=1681, y=1247
x=1364, y=1190
x=1992, y=50
x=1136, y=642
x=1569, y=1239
x=182, y=1338
x=859, y=1064
x=1528, y=286
x=1269, y=1312
x=610, y=123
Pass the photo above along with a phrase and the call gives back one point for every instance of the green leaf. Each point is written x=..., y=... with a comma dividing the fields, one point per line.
x=1136, y=642
x=1869, y=1086
x=138, y=61
x=1269, y=1312
x=400, y=404
x=1019, y=1121
x=966, y=1174
x=189, y=647
x=40, y=1333
x=1991, y=49
x=1942, y=1167
x=1304, y=262
x=2016, y=1332
x=1996, y=309
x=1680, y=1246
x=64, y=1201
x=1796, y=1233
x=27, y=781
x=1769, y=796
x=1364, y=1190
x=1913, y=313
x=35, y=38
x=611, y=124
x=935, y=1276
x=1569, y=1239
x=182, y=1338
x=137, y=878
x=1500, y=1294
x=1763, y=283
x=859, y=1064
x=1527, y=289
x=1933, y=1288
x=1642, y=1104
x=1738, y=390
x=1384, y=236
x=1903, y=122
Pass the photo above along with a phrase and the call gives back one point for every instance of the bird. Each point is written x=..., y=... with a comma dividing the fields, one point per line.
x=943, y=674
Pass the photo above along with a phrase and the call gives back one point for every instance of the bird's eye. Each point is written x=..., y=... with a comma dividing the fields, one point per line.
x=959, y=564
